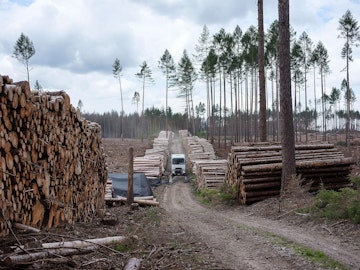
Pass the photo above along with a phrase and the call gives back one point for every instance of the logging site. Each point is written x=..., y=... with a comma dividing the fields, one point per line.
x=71, y=199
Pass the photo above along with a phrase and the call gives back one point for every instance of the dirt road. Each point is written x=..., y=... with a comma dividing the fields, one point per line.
x=243, y=241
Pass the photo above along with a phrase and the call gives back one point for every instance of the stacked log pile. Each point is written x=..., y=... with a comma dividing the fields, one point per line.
x=210, y=174
x=52, y=165
x=255, y=170
x=184, y=133
x=199, y=148
x=208, y=170
x=155, y=159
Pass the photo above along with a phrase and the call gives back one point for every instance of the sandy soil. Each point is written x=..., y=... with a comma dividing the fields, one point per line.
x=243, y=240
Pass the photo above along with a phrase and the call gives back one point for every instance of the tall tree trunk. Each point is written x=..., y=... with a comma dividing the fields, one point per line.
x=277, y=80
x=142, y=112
x=347, y=101
x=288, y=179
x=315, y=107
x=247, y=126
x=219, y=130
x=241, y=105
x=307, y=118
x=295, y=112
x=208, y=112
x=262, y=122
x=236, y=109
x=192, y=113
x=251, y=104
x=232, y=124
x=212, y=132
x=273, y=107
x=225, y=133
x=323, y=104
x=256, y=111
x=122, y=111
x=166, y=105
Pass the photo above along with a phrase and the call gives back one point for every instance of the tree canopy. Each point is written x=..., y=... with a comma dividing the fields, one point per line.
x=23, y=50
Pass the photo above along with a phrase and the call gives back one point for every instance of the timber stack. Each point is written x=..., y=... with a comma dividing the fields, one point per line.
x=208, y=170
x=153, y=163
x=255, y=170
x=210, y=174
x=52, y=164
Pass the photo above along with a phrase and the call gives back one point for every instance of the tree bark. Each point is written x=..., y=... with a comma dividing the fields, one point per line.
x=262, y=120
x=130, y=192
x=287, y=127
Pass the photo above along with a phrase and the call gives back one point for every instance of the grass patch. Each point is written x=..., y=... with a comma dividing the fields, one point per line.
x=336, y=205
x=318, y=257
x=341, y=143
x=315, y=256
x=121, y=247
x=208, y=196
x=153, y=215
x=212, y=196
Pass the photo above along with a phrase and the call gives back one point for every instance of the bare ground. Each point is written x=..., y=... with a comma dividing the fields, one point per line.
x=184, y=233
x=243, y=239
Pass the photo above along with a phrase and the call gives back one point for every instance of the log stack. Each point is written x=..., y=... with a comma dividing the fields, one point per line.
x=210, y=174
x=52, y=164
x=208, y=170
x=154, y=162
x=199, y=148
x=255, y=170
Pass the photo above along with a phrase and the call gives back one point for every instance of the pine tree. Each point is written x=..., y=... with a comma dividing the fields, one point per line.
x=186, y=78
x=288, y=179
x=23, y=50
x=167, y=66
x=145, y=75
x=306, y=45
x=117, y=69
x=349, y=30
x=261, y=60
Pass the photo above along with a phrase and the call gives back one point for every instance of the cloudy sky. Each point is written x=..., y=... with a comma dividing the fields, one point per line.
x=77, y=41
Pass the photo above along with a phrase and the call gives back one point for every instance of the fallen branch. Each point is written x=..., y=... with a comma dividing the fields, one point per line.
x=133, y=264
x=81, y=243
x=31, y=257
x=302, y=214
x=95, y=261
x=20, y=226
x=327, y=229
x=140, y=202
x=61, y=248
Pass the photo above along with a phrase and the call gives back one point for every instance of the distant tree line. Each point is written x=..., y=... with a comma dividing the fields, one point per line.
x=153, y=122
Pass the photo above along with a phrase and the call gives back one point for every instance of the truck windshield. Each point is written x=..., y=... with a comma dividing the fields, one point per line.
x=178, y=161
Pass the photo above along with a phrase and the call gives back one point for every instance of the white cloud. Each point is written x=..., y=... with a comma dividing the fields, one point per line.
x=77, y=41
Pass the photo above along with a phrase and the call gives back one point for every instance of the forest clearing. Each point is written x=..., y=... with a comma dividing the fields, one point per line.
x=54, y=168
x=240, y=181
x=184, y=233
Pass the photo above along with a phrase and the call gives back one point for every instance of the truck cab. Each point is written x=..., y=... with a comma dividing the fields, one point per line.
x=178, y=164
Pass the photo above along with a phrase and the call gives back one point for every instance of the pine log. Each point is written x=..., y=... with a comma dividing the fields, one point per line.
x=139, y=201
x=133, y=264
x=23, y=227
x=262, y=186
x=256, y=169
x=62, y=248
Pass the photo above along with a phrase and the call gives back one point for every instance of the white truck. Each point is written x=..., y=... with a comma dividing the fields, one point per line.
x=178, y=164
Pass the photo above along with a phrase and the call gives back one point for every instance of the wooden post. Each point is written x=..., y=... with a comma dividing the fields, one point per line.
x=130, y=193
